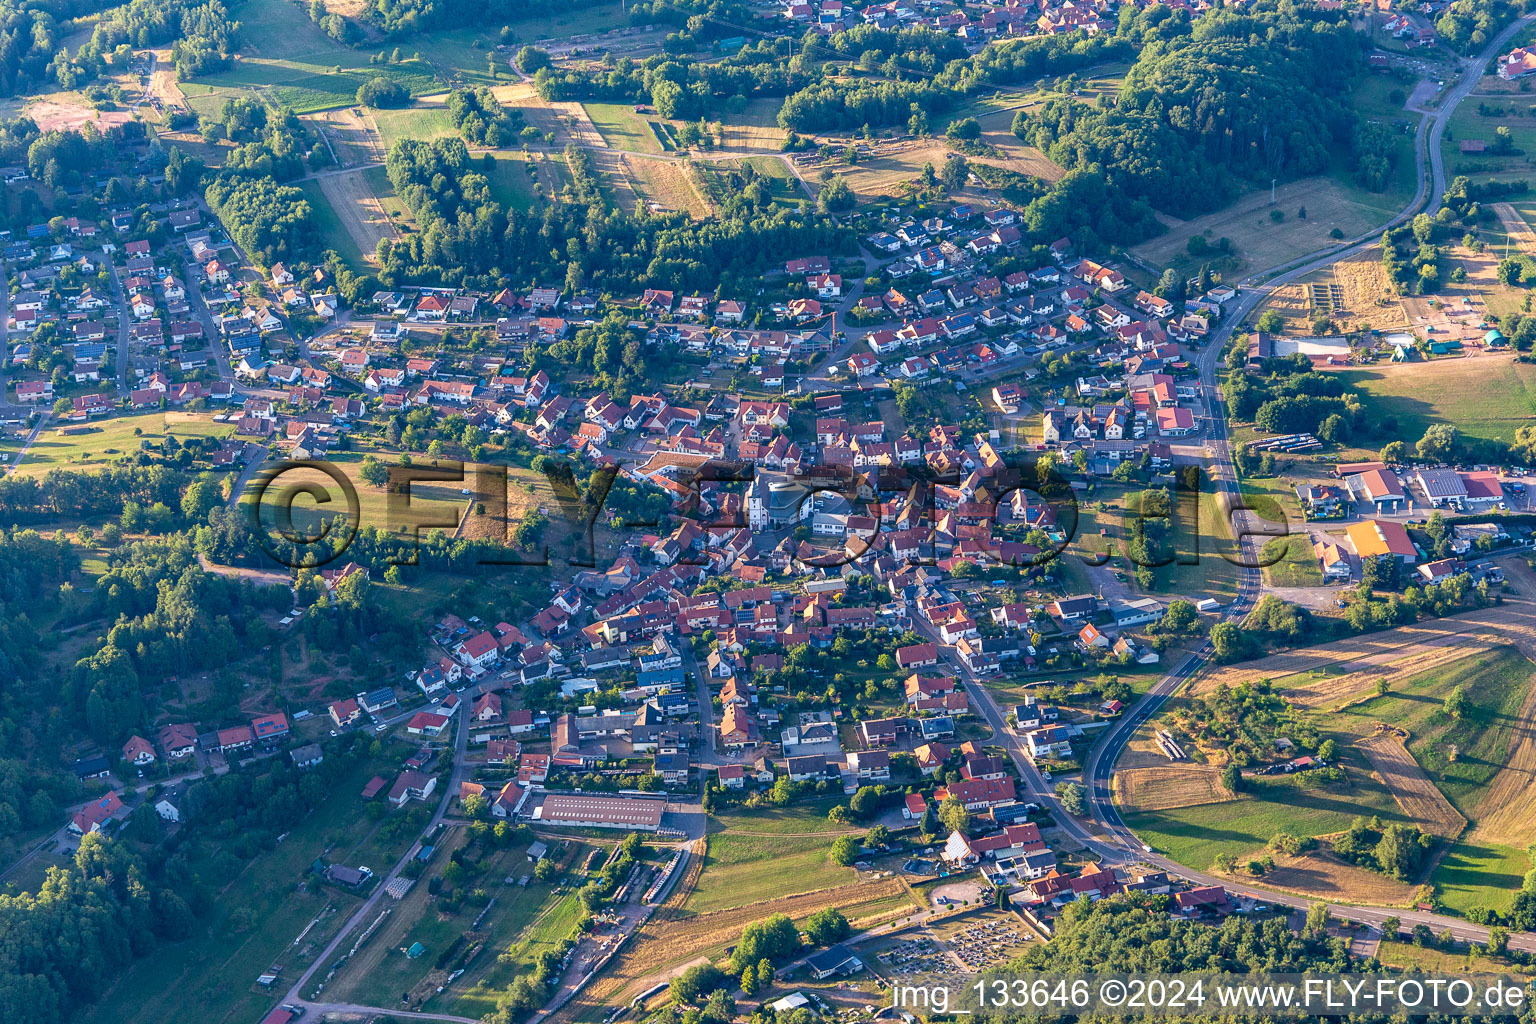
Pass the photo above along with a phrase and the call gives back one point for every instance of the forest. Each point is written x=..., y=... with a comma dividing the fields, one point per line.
x=269, y=221
x=1243, y=98
x=467, y=238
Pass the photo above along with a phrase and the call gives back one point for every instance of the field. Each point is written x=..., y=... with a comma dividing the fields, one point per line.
x=1164, y=787
x=1420, y=801
x=1365, y=300
x=622, y=128
x=885, y=174
x=754, y=128
x=741, y=869
x=1318, y=873
x=427, y=118
x=511, y=184
x=1197, y=835
x=111, y=439
x=312, y=82
x=431, y=505
x=1486, y=398
x=806, y=817
x=347, y=235
x=1475, y=874
x=354, y=136
x=257, y=915
x=664, y=185
x=1257, y=241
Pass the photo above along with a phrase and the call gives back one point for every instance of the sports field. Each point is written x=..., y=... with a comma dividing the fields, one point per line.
x=1485, y=398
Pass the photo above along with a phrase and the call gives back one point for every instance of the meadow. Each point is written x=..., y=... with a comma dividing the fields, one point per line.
x=741, y=869
x=105, y=441
x=1485, y=398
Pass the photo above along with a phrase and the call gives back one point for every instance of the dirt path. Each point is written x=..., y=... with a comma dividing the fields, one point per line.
x=1519, y=231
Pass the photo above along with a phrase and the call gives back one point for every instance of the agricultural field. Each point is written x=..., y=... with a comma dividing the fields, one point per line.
x=1363, y=298
x=261, y=909
x=99, y=444
x=1168, y=786
x=1486, y=398
x=1319, y=873
x=1415, y=794
x=333, y=230
x=755, y=127
x=426, y=118
x=741, y=869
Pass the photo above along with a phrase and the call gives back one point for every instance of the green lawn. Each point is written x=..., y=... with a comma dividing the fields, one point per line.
x=742, y=869
x=622, y=128
x=1483, y=398
x=532, y=921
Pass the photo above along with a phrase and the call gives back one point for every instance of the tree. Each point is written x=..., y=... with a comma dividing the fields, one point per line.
x=1328, y=750
x=967, y=128
x=878, y=837
x=1228, y=641
x=1439, y=443
x=955, y=172
x=475, y=806
x=865, y=802
x=1271, y=321
x=845, y=850
x=929, y=825
x=381, y=92
x=1317, y=919
x=1073, y=797
x=836, y=196
x=1456, y=703
x=827, y=927
x=1179, y=617
x=1232, y=778
x=953, y=815
x=373, y=472
x=530, y=60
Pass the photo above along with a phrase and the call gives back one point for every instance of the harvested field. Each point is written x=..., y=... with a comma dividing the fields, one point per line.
x=1171, y=785
x=359, y=210
x=1367, y=297
x=997, y=131
x=1142, y=751
x=1410, y=787
x=1329, y=690
x=885, y=174
x=1319, y=873
x=353, y=135
x=755, y=129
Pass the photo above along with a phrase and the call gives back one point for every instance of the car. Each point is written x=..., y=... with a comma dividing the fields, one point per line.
x=381, y=727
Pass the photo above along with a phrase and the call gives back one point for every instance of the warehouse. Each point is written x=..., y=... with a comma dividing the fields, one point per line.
x=600, y=812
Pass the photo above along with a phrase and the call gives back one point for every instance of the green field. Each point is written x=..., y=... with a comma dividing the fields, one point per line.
x=1473, y=874
x=333, y=234
x=414, y=122
x=1459, y=755
x=312, y=83
x=110, y=439
x=622, y=128
x=1483, y=398
x=259, y=911
x=741, y=869
x=809, y=815
x=1196, y=836
x=539, y=922
x=511, y=184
